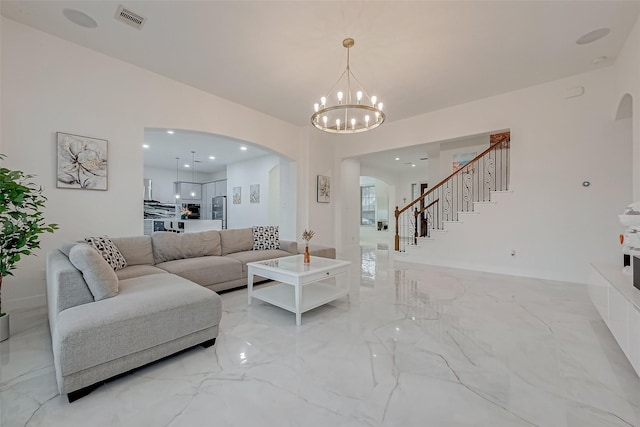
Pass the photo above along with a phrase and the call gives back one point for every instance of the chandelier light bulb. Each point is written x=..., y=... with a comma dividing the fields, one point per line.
x=323, y=101
x=316, y=107
x=377, y=116
x=374, y=99
x=353, y=124
x=338, y=124
x=359, y=96
x=324, y=119
x=340, y=95
x=380, y=106
x=366, y=120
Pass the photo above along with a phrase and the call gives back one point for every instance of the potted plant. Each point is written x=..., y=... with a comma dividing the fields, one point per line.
x=21, y=223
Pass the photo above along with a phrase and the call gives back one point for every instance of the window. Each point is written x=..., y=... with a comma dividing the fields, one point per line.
x=368, y=205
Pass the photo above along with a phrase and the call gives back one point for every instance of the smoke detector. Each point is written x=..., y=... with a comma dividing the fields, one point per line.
x=130, y=18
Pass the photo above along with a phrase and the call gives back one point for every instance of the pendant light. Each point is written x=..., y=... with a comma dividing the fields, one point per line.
x=193, y=174
x=177, y=181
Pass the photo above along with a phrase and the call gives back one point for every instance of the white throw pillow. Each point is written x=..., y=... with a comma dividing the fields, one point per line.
x=266, y=237
x=109, y=251
x=100, y=277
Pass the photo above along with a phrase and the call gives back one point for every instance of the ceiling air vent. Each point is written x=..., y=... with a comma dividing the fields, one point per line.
x=131, y=18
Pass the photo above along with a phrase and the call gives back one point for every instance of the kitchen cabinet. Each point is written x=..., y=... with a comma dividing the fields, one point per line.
x=186, y=188
x=221, y=188
x=209, y=191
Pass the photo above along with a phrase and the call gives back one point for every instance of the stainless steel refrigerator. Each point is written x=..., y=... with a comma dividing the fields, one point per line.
x=219, y=210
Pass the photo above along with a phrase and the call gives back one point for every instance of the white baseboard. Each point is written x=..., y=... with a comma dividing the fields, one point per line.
x=24, y=303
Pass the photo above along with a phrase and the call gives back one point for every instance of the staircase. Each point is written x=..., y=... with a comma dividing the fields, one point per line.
x=461, y=195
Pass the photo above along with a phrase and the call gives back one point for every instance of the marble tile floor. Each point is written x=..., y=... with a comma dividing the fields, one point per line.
x=412, y=346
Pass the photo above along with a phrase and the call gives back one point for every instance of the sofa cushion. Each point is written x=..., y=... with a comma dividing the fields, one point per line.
x=136, y=250
x=236, y=240
x=65, y=247
x=265, y=237
x=169, y=246
x=108, y=250
x=137, y=271
x=100, y=277
x=150, y=311
x=253, y=256
x=206, y=270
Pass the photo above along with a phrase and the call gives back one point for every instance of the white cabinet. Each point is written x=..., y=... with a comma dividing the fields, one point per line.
x=189, y=190
x=634, y=337
x=208, y=192
x=618, y=322
x=221, y=188
x=619, y=308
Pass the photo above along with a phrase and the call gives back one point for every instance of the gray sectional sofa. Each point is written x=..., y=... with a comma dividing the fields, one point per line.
x=162, y=302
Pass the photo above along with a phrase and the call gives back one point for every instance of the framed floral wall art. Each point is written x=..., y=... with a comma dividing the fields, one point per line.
x=324, y=189
x=82, y=162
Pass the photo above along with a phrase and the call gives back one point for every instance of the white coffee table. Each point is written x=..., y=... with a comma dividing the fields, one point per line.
x=302, y=286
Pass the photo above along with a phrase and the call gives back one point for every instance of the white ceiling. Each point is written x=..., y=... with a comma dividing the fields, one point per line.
x=279, y=57
x=164, y=148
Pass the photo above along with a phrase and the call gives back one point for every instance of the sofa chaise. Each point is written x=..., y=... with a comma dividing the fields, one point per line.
x=159, y=298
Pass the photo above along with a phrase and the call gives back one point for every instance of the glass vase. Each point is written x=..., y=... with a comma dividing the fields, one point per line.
x=307, y=257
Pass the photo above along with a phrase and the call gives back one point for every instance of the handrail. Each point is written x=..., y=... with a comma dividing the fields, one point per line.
x=462, y=169
x=426, y=207
x=466, y=181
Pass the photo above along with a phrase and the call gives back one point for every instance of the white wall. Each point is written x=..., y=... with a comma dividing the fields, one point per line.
x=627, y=73
x=556, y=144
x=243, y=175
x=318, y=157
x=449, y=149
x=51, y=85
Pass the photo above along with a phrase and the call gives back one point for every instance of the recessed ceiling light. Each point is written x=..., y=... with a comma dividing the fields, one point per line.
x=397, y=158
x=243, y=148
x=170, y=132
x=212, y=157
x=592, y=36
x=599, y=60
x=79, y=18
x=187, y=165
x=145, y=145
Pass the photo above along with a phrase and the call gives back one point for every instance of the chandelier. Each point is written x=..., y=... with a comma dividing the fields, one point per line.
x=352, y=110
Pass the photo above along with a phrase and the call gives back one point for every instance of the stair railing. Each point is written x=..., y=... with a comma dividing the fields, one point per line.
x=488, y=171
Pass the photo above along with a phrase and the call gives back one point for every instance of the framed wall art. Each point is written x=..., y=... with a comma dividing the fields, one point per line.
x=82, y=162
x=324, y=189
x=237, y=195
x=461, y=160
x=254, y=193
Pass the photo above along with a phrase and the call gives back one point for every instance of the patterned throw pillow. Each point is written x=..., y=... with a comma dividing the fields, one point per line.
x=109, y=251
x=266, y=237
